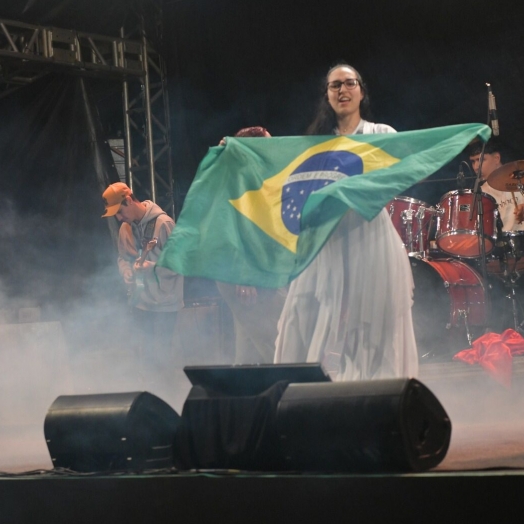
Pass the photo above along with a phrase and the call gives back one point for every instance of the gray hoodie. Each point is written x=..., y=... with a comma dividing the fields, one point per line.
x=163, y=289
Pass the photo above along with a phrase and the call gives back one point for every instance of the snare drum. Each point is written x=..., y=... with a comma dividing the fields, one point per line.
x=456, y=233
x=412, y=219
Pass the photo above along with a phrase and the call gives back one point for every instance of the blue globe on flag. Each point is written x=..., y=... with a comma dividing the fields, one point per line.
x=313, y=174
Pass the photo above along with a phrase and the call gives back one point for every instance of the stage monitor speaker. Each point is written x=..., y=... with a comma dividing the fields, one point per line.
x=252, y=379
x=115, y=431
x=364, y=426
x=229, y=415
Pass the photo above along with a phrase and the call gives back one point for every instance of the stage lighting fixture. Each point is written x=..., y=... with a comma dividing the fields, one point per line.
x=115, y=431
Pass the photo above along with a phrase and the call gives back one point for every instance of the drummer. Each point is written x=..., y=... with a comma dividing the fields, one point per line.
x=510, y=203
x=511, y=210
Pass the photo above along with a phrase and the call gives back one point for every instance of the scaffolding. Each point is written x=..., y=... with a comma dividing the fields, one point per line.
x=29, y=52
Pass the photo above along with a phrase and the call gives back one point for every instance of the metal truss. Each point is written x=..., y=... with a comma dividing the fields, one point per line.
x=28, y=52
x=148, y=157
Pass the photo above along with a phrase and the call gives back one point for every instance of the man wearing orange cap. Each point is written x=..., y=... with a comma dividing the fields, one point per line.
x=155, y=292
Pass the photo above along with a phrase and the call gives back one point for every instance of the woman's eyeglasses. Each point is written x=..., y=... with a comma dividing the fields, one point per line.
x=350, y=83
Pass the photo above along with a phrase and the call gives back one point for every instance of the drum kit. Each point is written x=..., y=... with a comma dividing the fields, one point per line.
x=462, y=271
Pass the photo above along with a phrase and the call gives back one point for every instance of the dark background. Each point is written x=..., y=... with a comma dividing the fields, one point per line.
x=426, y=64
x=236, y=63
x=233, y=63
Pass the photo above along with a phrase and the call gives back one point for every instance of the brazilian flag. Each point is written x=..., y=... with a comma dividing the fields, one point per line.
x=260, y=209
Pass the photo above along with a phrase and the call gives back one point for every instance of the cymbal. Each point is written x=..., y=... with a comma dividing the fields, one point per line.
x=506, y=177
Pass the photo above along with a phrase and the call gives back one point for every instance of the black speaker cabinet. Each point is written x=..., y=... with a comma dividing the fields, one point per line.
x=367, y=426
x=116, y=431
x=252, y=379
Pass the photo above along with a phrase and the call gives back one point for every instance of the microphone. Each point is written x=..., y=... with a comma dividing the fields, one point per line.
x=492, y=106
x=460, y=178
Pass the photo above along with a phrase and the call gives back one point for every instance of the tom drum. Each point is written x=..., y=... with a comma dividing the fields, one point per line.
x=458, y=235
x=412, y=219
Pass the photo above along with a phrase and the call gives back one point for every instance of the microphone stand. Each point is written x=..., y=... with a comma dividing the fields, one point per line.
x=477, y=198
x=479, y=207
x=461, y=178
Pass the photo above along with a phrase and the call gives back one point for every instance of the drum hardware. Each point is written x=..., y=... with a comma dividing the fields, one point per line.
x=440, y=180
x=407, y=222
x=461, y=177
x=450, y=306
x=478, y=207
x=478, y=204
x=420, y=215
x=510, y=282
x=507, y=255
x=508, y=267
x=463, y=313
x=514, y=303
x=412, y=219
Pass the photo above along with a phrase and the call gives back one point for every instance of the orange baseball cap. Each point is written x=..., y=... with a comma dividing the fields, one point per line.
x=113, y=197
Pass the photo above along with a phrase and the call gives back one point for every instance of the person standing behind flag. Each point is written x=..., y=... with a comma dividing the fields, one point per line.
x=350, y=309
x=255, y=310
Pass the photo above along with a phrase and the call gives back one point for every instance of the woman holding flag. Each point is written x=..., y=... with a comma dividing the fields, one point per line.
x=351, y=307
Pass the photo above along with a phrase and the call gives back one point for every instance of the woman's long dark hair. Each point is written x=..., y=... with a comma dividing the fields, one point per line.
x=325, y=118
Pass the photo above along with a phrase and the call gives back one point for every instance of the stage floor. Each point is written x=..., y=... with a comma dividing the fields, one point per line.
x=487, y=417
x=487, y=420
x=481, y=478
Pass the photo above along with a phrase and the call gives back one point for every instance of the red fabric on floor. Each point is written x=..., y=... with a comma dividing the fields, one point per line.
x=495, y=352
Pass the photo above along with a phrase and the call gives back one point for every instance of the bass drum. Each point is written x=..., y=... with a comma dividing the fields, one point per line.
x=450, y=301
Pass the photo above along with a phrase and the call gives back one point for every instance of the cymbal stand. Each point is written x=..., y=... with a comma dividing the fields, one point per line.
x=518, y=176
x=510, y=281
x=511, y=277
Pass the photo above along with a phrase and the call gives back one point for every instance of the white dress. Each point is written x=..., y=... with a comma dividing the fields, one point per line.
x=350, y=309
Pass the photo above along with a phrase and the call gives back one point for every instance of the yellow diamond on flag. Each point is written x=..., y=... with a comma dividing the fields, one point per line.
x=264, y=206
